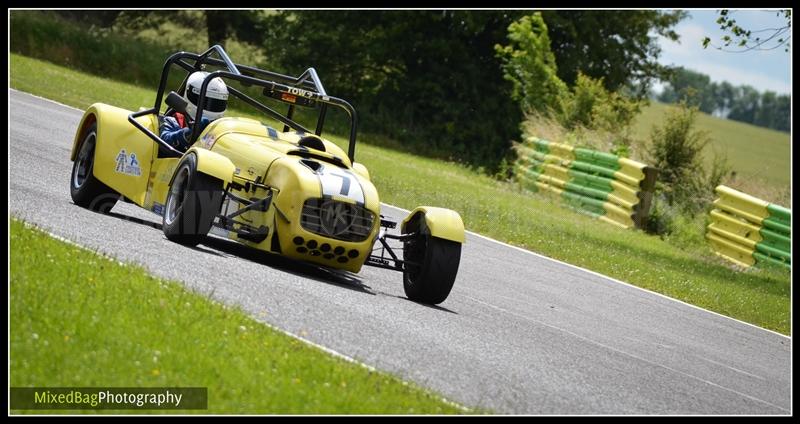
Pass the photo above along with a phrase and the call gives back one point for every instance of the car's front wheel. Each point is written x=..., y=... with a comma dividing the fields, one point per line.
x=431, y=268
x=193, y=201
x=86, y=190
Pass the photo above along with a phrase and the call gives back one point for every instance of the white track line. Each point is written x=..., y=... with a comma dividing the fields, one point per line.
x=533, y=253
x=637, y=357
x=607, y=277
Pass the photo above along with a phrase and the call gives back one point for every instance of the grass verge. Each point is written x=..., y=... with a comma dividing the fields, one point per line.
x=683, y=268
x=81, y=319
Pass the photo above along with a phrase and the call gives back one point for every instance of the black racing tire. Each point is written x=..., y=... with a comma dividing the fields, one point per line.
x=86, y=190
x=431, y=281
x=193, y=202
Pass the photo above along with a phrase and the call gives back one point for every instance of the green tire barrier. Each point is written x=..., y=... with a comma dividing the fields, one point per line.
x=749, y=231
x=614, y=189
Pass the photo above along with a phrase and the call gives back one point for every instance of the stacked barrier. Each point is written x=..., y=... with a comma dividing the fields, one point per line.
x=749, y=231
x=616, y=190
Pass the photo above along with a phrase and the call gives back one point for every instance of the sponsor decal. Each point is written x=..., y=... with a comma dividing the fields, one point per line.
x=301, y=92
x=128, y=164
x=208, y=140
x=158, y=208
x=336, y=218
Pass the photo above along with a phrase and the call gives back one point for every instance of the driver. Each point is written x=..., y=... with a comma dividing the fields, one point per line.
x=177, y=127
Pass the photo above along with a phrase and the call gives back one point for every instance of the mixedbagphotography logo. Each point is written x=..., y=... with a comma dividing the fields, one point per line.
x=109, y=398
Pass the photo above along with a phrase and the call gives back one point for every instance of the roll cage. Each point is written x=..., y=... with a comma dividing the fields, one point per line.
x=307, y=87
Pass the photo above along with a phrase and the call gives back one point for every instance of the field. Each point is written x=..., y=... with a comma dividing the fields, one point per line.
x=761, y=157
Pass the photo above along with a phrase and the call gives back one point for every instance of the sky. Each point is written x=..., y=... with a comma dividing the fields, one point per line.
x=764, y=70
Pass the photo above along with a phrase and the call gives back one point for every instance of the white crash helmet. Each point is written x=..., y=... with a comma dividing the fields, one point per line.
x=216, y=96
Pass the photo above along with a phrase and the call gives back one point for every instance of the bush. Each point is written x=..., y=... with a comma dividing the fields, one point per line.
x=579, y=107
x=662, y=216
x=676, y=150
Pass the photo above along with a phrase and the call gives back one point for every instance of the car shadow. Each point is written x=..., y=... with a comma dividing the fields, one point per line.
x=427, y=305
x=437, y=307
x=303, y=269
x=213, y=245
x=134, y=219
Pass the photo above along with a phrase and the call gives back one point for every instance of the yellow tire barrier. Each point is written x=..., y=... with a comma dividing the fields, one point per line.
x=616, y=190
x=749, y=231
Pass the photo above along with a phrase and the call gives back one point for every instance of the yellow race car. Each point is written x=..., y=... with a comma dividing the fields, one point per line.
x=290, y=192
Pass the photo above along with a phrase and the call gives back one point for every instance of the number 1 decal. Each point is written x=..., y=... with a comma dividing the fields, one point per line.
x=345, y=190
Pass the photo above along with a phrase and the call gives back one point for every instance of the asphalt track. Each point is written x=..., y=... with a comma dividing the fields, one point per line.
x=519, y=333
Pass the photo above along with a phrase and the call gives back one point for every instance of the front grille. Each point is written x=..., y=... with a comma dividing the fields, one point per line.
x=335, y=219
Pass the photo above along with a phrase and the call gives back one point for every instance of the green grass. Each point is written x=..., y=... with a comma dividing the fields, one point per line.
x=82, y=319
x=753, y=152
x=684, y=268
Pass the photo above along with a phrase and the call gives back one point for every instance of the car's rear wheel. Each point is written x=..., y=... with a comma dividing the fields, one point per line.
x=193, y=202
x=86, y=190
x=431, y=267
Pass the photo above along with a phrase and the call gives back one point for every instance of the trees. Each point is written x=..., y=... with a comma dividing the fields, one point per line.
x=531, y=67
x=694, y=87
x=724, y=96
x=617, y=45
x=766, y=108
x=746, y=40
x=743, y=103
x=426, y=78
x=773, y=111
x=781, y=117
x=431, y=78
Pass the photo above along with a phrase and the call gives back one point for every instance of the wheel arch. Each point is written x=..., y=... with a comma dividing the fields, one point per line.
x=112, y=122
x=438, y=222
x=210, y=163
x=89, y=118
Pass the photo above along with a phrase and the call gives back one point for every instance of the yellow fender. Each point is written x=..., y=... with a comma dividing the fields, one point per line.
x=112, y=122
x=361, y=170
x=441, y=223
x=115, y=134
x=213, y=164
x=89, y=117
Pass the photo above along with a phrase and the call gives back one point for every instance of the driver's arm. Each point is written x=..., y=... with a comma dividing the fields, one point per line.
x=172, y=133
x=178, y=137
